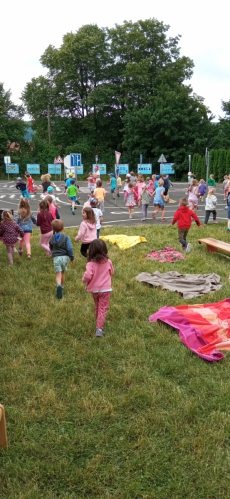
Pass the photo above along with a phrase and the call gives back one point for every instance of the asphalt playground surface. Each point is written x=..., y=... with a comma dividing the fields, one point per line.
x=116, y=213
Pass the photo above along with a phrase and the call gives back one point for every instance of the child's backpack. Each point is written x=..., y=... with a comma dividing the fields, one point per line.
x=228, y=199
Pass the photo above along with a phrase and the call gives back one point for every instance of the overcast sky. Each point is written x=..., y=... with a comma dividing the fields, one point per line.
x=28, y=27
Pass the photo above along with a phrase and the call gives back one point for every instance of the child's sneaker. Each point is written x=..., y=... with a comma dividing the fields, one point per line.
x=73, y=212
x=188, y=248
x=59, y=292
x=215, y=222
x=99, y=333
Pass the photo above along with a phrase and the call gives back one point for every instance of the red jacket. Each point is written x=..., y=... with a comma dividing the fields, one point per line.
x=183, y=216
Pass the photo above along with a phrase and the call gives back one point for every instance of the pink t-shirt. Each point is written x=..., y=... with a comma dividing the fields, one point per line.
x=98, y=276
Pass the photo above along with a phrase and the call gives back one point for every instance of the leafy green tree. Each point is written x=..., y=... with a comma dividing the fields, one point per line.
x=227, y=162
x=12, y=126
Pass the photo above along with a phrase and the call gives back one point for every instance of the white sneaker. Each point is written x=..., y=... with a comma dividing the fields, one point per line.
x=188, y=248
x=99, y=333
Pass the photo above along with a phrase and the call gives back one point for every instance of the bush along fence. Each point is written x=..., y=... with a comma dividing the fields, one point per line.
x=219, y=164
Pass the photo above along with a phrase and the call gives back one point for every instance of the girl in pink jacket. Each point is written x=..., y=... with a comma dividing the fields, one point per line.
x=98, y=278
x=87, y=230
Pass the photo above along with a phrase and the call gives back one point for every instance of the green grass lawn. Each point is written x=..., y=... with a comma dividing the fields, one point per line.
x=132, y=415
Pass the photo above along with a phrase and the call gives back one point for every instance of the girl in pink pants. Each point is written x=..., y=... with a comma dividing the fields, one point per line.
x=99, y=270
x=25, y=221
x=44, y=220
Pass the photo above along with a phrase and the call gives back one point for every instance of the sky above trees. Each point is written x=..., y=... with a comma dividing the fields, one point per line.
x=28, y=28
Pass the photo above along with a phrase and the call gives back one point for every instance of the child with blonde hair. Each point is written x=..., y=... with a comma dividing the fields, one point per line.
x=87, y=230
x=25, y=220
x=210, y=206
x=211, y=181
x=193, y=195
x=201, y=189
x=159, y=200
x=9, y=234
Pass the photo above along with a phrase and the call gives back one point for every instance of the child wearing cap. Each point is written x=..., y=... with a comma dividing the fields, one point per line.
x=21, y=186
x=72, y=195
x=98, y=214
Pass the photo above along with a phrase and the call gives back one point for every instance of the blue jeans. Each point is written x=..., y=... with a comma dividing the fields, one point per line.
x=25, y=194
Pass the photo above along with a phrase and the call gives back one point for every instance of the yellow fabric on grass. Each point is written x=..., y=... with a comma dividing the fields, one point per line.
x=123, y=241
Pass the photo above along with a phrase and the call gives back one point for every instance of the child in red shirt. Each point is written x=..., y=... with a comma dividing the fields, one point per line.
x=183, y=218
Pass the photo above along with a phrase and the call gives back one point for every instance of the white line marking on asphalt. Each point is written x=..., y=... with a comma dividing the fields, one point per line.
x=12, y=196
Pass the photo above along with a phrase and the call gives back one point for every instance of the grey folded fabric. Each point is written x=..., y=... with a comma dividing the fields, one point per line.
x=188, y=285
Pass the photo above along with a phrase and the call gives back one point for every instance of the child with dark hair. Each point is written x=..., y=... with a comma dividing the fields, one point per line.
x=31, y=188
x=22, y=186
x=183, y=218
x=87, y=230
x=9, y=234
x=62, y=252
x=99, y=270
x=44, y=219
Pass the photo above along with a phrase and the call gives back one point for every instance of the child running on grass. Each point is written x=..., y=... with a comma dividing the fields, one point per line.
x=99, y=270
x=53, y=209
x=62, y=252
x=25, y=220
x=9, y=234
x=183, y=218
x=87, y=230
x=210, y=206
x=44, y=219
x=98, y=214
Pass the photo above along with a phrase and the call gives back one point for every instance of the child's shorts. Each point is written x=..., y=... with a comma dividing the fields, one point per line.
x=61, y=263
x=73, y=198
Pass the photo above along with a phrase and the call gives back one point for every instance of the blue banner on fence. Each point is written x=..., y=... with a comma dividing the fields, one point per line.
x=101, y=168
x=79, y=170
x=54, y=169
x=12, y=168
x=31, y=168
x=166, y=168
x=123, y=169
x=145, y=169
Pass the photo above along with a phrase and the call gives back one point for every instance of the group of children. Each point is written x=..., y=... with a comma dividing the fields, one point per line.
x=56, y=244
x=99, y=269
